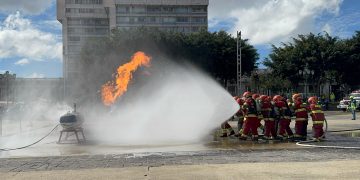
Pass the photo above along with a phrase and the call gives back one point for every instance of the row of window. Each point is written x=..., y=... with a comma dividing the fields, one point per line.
x=74, y=48
x=84, y=1
x=88, y=31
x=125, y=9
x=88, y=21
x=173, y=29
x=85, y=10
x=160, y=20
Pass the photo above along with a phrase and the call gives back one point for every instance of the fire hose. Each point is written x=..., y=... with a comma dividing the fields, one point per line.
x=23, y=147
x=304, y=143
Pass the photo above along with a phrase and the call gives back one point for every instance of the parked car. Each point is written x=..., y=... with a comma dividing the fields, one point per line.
x=343, y=105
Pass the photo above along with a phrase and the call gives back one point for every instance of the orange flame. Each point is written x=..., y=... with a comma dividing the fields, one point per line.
x=116, y=88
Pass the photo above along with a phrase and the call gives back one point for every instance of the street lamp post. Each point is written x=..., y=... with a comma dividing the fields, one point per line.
x=306, y=73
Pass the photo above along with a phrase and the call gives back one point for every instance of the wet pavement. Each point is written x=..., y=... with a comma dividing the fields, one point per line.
x=51, y=156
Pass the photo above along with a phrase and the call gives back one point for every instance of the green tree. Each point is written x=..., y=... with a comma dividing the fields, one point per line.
x=316, y=52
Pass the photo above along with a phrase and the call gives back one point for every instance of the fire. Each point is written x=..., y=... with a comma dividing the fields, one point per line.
x=117, y=87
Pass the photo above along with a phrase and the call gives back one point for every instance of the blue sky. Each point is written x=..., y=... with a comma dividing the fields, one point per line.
x=31, y=44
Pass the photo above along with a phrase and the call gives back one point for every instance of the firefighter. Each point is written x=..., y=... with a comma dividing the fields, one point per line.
x=239, y=116
x=226, y=129
x=251, y=120
x=256, y=97
x=284, y=118
x=302, y=118
x=318, y=118
x=268, y=117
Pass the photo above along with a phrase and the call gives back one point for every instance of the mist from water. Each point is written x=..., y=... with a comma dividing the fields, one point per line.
x=181, y=105
x=174, y=105
x=26, y=122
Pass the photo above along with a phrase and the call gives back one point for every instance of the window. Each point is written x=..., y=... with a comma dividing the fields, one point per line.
x=138, y=9
x=154, y=20
x=199, y=20
x=86, y=10
x=199, y=9
x=182, y=19
x=153, y=9
x=74, y=38
x=84, y=1
x=195, y=29
x=101, y=31
x=122, y=9
x=72, y=21
x=182, y=10
x=141, y=19
x=169, y=20
x=88, y=21
x=74, y=48
x=122, y=20
x=168, y=9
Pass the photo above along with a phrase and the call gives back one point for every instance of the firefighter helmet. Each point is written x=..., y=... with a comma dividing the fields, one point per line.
x=313, y=100
x=247, y=94
x=255, y=96
x=240, y=101
x=263, y=98
x=277, y=98
x=296, y=97
x=236, y=98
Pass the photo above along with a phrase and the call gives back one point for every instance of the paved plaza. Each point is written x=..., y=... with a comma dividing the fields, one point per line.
x=218, y=158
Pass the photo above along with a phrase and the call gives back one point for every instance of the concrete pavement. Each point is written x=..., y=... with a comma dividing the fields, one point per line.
x=219, y=158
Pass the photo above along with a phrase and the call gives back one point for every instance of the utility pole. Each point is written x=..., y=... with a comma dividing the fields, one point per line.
x=239, y=63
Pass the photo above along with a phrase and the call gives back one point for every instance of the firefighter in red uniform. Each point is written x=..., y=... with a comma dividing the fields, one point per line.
x=284, y=118
x=266, y=111
x=240, y=115
x=301, y=115
x=226, y=129
x=251, y=120
x=257, y=99
x=318, y=118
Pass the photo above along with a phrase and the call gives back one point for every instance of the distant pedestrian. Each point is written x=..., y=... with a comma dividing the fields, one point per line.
x=332, y=97
x=352, y=107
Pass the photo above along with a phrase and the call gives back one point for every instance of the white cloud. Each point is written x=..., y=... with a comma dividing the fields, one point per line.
x=327, y=28
x=19, y=38
x=22, y=62
x=265, y=21
x=35, y=75
x=25, y=6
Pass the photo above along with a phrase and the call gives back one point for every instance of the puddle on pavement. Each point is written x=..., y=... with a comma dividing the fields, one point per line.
x=236, y=144
x=350, y=134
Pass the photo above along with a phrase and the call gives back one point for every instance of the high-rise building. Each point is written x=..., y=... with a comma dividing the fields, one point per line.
x=82, y=19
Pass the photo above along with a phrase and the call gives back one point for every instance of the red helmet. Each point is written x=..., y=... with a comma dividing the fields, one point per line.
x=263, y=98
x=236, y=98
x=313, y=100
x=240, y=101
x=255, y=96
x=296, y=96
x=277, y=98
x=247, y=94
